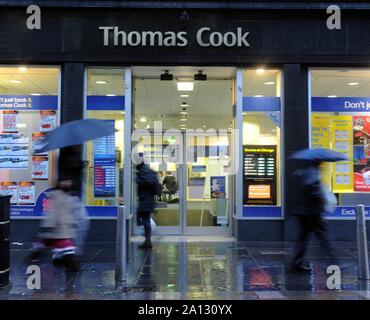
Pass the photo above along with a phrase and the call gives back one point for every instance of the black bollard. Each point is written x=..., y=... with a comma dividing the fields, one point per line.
x=4, y=239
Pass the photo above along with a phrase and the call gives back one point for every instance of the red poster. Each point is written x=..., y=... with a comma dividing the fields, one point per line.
x=361, y=153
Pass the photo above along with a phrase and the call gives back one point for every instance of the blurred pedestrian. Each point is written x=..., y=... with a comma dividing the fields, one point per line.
x=66, y=225
x=148, y=187
x=70, y=167
x=316, y=200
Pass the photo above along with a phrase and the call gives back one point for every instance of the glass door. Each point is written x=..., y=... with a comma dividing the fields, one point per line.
x=181, y=127
x=208, y=165
x=162, y=152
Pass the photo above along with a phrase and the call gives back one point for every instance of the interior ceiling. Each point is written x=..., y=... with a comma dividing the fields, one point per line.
x=209, y=104
x=114, y=78
x=335, y=82
x=33, y=80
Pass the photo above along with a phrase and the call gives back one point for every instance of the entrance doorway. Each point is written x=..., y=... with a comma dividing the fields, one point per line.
x=182, y=127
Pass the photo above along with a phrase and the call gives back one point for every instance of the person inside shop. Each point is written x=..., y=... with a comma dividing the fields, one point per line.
x=161, y=178
x=148, y=187
x=170, y=185
x=309, y=209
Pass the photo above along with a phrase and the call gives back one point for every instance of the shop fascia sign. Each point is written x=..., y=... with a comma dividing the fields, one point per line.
x=205, y=37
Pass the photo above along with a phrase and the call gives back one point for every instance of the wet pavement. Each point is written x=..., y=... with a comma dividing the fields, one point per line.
x=190, y=270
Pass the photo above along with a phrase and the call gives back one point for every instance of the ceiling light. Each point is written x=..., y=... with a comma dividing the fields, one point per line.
x=184, y=95
x=258, y=95
x=183, y=112
x=16, y=81
x=183, y=119
x=269, y=83
x=352, y=83
x=166, y=76
x=332, y=96
x=184, y=104
x=22, y=69
x=35, y=94
x=110, y=95
x=182, y=128
x=101, y=82
x=260, y=70
x=185, y=86
x=204, y=126
x=142, y=119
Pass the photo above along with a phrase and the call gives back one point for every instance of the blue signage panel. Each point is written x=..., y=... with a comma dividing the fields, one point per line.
x=262, y=212
x=261, y=104
x=340, y=104
x=346, y=212
x=102, y=211
x=8, y=102
x=105, y=103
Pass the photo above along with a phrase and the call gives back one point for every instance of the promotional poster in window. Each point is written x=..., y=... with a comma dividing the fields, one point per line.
x=361, y=153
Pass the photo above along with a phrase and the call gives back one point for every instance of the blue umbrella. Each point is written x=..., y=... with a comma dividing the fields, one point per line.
x=319, y=155
x=75, y=133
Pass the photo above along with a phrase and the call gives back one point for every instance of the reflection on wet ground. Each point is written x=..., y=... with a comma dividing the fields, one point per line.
x=191, y=270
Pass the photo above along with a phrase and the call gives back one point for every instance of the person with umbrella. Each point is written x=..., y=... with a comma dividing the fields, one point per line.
x=316, y=200
x=66, y=225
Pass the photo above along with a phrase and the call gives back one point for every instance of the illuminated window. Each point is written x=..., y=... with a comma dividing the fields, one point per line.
x=105, y=156
x=28, y=111
x=261, y=141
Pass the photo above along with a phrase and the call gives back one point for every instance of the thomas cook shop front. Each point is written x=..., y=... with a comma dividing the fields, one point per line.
x=215, y=103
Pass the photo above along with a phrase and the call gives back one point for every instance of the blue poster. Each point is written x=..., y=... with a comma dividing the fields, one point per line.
x=218, y=187
x=105, y=166
x=37, y=210
x=28, y=102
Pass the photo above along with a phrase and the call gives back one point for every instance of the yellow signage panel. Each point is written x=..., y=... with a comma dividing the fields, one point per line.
x=342, y=141
x=320, y=138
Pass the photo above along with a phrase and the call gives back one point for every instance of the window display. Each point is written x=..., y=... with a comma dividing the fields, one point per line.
x=261, y=144
x=340, y=120
x=105, y=156
x=28, y=110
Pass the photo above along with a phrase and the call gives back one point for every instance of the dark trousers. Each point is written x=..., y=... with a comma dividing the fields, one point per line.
x=145, y=221
x=312, y=224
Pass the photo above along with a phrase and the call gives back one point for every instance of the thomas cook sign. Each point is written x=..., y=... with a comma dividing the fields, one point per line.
x=204, y=37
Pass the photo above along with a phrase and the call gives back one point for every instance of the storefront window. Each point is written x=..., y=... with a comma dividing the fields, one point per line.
x=28, y=111
x=261, y=144
x=340, y=120
x=105, y=156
